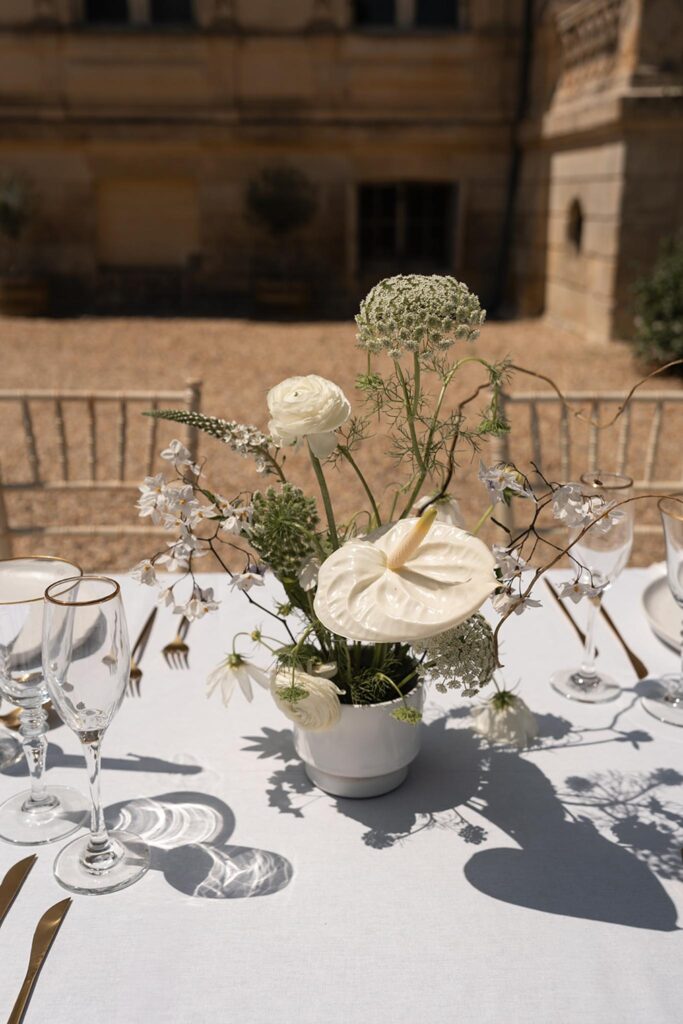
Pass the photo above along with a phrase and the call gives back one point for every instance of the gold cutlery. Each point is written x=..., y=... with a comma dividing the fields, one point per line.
x=560, y=603
x=12, y=720
x=639, y=667
x=177, y=652
x=139, y=647
x=12, y=883
x=43, y=937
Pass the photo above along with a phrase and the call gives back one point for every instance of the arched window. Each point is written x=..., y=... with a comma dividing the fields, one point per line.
x=575, y=225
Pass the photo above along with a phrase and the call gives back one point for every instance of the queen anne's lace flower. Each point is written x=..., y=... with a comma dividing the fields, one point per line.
x=461, y=657
x=414, y=311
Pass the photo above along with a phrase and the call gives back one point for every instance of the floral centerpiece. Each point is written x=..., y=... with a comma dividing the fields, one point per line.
x=374, y=606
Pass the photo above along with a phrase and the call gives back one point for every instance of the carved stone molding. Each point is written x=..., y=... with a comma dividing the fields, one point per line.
x=589, y=30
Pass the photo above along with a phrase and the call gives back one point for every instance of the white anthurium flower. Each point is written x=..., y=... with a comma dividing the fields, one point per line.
x=310, y=407
x=575, y=590
x=179, y=456
x=144, y=572
x=505, y=720
x=502, y=482
x=234, y=671
x=406, y=583
x=319, y=709
x=447, y=509
x=308, y=574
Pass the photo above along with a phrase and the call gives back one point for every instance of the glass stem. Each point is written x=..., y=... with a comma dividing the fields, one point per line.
x=587, y=670
x=34, y=742
x=99, y=854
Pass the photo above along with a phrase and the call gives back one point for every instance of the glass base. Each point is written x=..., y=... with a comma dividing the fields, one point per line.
x=24, y=825
x=129, y=862
x=663, y=703
x=569, y=684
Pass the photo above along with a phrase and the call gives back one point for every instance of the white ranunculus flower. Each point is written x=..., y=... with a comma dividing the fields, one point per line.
x=319, y=710
x=307, y=407
x=507, y=722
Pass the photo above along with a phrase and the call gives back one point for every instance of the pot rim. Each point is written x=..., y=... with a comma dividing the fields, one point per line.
x=386, y=703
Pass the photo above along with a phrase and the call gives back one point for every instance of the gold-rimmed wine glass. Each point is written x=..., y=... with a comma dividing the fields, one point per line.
x=667, y=703
x=86, y=672
x=44, y=813
x=601, y=553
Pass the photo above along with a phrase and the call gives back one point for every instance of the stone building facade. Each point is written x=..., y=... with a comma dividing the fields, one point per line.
x=532, y=148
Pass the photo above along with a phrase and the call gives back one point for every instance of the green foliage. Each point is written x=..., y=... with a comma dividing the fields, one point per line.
x=659, y=307
x=407, y=714
x=282, y=529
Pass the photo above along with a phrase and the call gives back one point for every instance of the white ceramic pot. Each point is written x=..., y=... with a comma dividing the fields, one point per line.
x=367, y=753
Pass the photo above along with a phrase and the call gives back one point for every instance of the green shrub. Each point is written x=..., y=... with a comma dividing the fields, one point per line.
x=659, y=307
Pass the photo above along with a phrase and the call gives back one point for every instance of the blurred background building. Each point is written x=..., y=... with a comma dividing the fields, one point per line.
x=230, y=155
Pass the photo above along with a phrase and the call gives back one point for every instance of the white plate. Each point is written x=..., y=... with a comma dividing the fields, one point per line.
x=662, y=612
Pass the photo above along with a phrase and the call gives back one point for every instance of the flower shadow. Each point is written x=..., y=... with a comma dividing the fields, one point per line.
x=558, y=863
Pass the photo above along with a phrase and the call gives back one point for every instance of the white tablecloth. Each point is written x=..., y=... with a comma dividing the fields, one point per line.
x=492, y=887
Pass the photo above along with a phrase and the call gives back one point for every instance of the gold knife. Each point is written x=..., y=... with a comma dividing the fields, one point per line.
x=639, y=667
x=43, y=937
x=12, y=883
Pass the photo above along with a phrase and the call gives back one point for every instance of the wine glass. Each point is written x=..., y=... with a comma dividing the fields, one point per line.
x=86, y=671
x=667, y=705
x=43, y=814
x=601, y=553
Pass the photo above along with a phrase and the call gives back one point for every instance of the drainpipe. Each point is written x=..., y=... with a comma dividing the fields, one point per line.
x=521, y=106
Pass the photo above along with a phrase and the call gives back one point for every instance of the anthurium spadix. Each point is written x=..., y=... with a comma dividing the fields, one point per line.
x=412, y=581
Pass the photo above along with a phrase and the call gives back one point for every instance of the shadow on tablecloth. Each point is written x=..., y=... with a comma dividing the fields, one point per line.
x=187, y=833
x=559, y=860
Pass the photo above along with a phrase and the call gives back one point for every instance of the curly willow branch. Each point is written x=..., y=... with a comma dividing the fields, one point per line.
x=577, y=412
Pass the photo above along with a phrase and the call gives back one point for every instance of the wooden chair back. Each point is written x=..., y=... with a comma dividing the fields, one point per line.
x=644, y=442
x=100, y=459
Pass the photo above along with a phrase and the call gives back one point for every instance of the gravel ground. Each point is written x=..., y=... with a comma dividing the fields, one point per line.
x=238, y=361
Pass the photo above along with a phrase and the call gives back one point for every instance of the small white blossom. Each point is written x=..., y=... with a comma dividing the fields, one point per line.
x=578, y=510
x=179, y=456
x=308, y=574
x=234, y=671
x=201, y=602
x=166, y=598
x=152, y=500
x=144, y=572
x=576, y=589
x=509, y=563
x=507, y=601
x=253, y=577
x=237, y=517
x=502, y=482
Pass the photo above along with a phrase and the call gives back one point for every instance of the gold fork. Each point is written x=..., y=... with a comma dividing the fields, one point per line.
x=135, y=675
x=177, y=652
